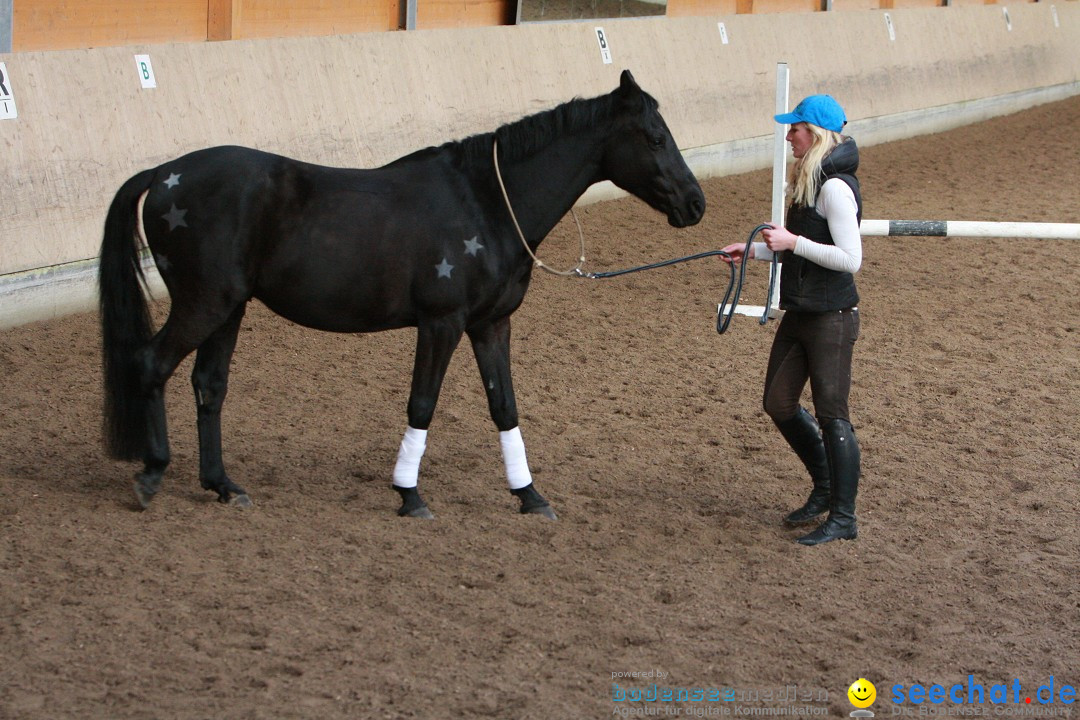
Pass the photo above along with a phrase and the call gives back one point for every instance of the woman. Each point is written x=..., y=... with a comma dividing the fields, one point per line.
x=821, y=249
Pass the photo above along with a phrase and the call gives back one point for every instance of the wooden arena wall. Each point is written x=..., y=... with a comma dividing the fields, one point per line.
x=84, y=122
x=71, y=24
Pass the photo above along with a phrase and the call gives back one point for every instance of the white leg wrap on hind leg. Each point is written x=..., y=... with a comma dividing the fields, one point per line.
x=408, y=458
x=513, y=450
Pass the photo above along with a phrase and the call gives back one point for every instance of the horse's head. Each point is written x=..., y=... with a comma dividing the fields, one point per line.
x=642, y=158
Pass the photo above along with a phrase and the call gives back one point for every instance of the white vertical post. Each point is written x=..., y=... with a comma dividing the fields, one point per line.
x=779, y=175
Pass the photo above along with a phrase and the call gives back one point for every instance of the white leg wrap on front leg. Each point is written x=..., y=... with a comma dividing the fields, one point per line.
x=412, y=449
x=513, y=450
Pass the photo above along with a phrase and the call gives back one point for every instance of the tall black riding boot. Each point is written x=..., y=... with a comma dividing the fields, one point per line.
x=843, y=453
x=804, y=436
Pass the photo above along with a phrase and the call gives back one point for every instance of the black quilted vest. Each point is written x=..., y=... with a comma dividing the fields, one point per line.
x=806, y=286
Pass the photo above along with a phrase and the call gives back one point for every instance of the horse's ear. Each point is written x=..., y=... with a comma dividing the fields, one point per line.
x=627, y=82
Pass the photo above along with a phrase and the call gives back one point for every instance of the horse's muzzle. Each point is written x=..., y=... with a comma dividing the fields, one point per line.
x=688, y=213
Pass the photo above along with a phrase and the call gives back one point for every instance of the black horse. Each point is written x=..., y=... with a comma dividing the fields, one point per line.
x=426, y=241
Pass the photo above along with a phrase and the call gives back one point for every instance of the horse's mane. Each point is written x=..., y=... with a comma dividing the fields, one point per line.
x=524, y=137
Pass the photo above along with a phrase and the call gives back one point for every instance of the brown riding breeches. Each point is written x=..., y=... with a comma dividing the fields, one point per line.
x=815, y=347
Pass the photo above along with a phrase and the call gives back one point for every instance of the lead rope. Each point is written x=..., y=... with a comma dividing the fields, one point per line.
x=572, y=272
x=723, y=320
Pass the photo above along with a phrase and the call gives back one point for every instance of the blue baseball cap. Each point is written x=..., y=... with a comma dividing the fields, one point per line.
x=820, y=110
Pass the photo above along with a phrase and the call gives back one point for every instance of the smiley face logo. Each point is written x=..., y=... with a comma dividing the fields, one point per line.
x=862, y=693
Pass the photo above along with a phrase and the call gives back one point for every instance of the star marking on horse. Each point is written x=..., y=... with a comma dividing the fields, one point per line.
x=444, y=269
x=472, y=247
x=172, y=181
x=175, y=218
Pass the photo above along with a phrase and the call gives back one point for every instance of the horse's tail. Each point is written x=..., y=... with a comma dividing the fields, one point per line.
x=125, y=322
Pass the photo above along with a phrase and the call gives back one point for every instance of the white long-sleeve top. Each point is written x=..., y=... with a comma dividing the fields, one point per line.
x=836, y=203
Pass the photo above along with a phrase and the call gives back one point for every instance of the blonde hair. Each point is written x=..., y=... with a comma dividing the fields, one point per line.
x=807, y=170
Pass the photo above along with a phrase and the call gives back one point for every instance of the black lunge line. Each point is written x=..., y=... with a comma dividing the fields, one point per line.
x=723, y=320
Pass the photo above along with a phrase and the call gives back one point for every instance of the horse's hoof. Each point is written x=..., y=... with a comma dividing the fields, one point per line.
x=533, y=503
x=412, y=505
x=144, y=491
x=542, y=510
x=421, y=512
x=143, y=497
x=241, y=501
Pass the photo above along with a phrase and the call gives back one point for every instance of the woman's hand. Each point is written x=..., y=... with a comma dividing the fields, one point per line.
x=736, y=252
x=779, y=239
